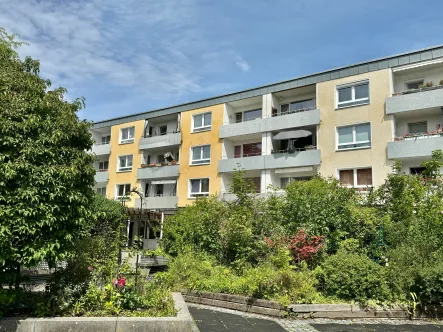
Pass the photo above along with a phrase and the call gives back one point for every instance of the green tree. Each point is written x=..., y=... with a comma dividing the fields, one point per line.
x=46, y=173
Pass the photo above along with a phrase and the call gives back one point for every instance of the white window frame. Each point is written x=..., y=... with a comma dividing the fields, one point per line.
x=126, y=168
x=353, y=137
x=99, y=190
x=203, y=127
x=103, y=169
x=105, y=136
x=126, y=194
x=364, y=101
x=200, y=193
x=208, y=161
x=355, y=177
x=127, y=140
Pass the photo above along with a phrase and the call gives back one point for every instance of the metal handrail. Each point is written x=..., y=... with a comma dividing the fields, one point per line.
x=406, y=92
x=431, y=134
x=163, y=134
x=293, y=150
x=301, y=110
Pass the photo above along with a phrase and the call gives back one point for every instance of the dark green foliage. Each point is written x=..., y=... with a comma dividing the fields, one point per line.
x=321, y=207
x=352, y=276
x=46, y=173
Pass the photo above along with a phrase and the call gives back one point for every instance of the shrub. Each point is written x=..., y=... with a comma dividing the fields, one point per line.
x=319, y=206
x=272, y=279
x=351, y=276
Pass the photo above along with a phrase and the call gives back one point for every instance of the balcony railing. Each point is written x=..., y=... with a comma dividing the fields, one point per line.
x=300, y=110
x=101, y=149
x=413, y=136
x=426, y=88
x=167, y=163
x=293, y=150
x=414, y=100
x=161, y=134
x=161, y=195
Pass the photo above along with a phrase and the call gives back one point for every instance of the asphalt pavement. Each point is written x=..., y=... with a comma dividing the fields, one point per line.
x=222, y=320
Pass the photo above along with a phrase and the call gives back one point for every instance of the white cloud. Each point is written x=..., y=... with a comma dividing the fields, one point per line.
x=155, y=47
x=243, y=65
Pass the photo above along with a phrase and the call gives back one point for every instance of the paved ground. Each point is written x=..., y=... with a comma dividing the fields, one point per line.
x=210, y=319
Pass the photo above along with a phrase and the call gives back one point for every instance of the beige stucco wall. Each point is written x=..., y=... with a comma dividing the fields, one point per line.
x=381, y=127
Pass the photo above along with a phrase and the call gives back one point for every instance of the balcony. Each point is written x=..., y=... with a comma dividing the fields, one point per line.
x=417, y=99
x=159, y=141
x=298, y=118
x=101, y=176
x=101, y=149
x=229, y=197
x=276, y=160
x=158, y=172
x=158, y=203
x=420, y=146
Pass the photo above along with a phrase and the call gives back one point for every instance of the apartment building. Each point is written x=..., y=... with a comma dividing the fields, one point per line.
x=350, y=123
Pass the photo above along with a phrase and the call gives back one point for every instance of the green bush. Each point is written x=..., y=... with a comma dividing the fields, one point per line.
x=268, y=280
x=351, y=276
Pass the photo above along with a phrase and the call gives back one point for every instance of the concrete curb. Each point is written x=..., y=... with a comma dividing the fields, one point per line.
x=304, y=311
x=236, y=302
x=181, y=323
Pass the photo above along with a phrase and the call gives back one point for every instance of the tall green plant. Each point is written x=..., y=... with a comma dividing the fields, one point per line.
x=46, y=173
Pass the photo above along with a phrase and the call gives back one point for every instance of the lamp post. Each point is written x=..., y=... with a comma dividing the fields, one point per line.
x=119, y=258
x=135, y=191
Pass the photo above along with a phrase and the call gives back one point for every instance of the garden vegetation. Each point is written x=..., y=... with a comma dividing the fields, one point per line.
x=317, y=243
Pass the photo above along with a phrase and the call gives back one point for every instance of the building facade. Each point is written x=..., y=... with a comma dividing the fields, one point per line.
x=350, y=123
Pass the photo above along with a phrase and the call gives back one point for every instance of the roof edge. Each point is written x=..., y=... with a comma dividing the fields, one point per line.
x=138, y=116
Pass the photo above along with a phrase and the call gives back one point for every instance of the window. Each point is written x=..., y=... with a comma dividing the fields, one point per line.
x=200, y=155
x=198, y=187
x=285, y=181
x=163, y=130
x=354, y=137
x=247, y=150
x=297, y=106
x=202, y=122
x=353, y=94
x=414, y=85
x=159, y=190
x=416, y=170
x=125, y=163
x=418, y=127
x=103, y=165
x=356, y=178
x=123, y=190
x=106, y=139
x=127, y=135
x=102, y=191
x=248, y=115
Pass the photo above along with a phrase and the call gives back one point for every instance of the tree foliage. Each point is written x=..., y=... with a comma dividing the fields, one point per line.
x=46, y=173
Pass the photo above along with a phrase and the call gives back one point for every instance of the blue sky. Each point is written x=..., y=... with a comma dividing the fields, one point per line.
x=130, y=56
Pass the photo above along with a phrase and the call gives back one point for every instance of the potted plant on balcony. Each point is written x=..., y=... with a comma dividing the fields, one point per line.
x=164, y=163
x=143, y=165
x=429, y=84
x=441, y=82
x=151, y=165
x=173, y=162
x=309, y=147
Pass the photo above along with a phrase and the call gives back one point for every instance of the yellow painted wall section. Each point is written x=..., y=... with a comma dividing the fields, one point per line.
x=381, y=127
x=189, y=140
x=117, y=150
